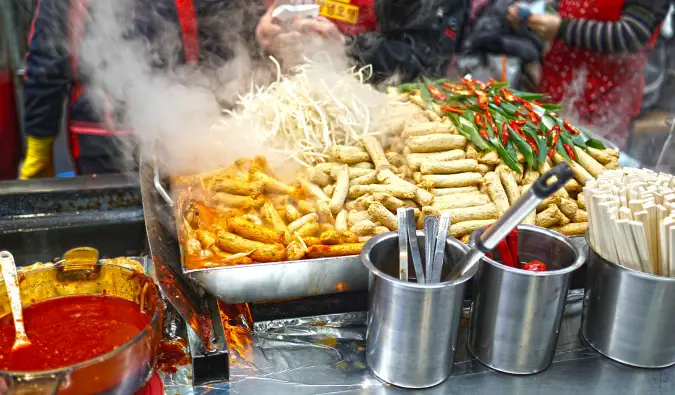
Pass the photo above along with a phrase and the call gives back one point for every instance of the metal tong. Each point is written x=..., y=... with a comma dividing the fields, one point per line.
x=407, y=236
x=435, y=235
x=542, y=188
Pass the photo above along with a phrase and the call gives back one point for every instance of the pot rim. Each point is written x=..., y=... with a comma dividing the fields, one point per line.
x=632, y=272
x=370, y=244
x=579, y=261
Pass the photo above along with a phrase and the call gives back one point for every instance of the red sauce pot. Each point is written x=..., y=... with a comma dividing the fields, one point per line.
x=120, y=370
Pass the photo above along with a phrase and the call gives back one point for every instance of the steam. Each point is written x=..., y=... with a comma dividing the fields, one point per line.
x=132, y=55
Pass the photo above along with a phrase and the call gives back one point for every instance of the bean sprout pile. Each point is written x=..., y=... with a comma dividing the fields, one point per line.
x=302, y=115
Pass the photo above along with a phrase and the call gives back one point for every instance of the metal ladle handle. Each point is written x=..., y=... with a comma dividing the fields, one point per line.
x=542, y=188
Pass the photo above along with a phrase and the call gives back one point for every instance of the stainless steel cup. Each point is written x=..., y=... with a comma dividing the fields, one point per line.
x=629, y=316
x=412, y=328
x=516, y=314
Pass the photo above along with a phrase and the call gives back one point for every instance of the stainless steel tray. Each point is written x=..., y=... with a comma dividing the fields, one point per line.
x=267, y=281
x=282, y=280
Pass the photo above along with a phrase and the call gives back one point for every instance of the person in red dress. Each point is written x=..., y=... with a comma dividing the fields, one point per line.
x=597, y=58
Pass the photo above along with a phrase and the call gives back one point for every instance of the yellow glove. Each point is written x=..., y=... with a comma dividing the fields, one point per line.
x=39, y=160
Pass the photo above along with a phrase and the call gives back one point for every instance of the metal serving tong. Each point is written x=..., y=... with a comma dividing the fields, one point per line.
x=541, y=189
x=435, y=235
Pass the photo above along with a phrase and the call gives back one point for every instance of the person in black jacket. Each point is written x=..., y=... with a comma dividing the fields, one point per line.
x=411, y=38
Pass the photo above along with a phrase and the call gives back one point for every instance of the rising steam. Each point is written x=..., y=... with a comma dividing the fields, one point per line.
x=132, y=54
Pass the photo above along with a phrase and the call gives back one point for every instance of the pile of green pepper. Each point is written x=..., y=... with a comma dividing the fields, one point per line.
x=493, y=116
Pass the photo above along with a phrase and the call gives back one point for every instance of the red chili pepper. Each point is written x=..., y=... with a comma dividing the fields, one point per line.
x=478, y=120
x=484, y=134
x=512, y=243
x=570, y=128
x=452, y=87
x=525, y=103
x=556, y=136
x=534, y=118
x=554, y=114
x=519, y=114
x=554, y=129
x=532, y=144
x=452, y=109
x=483, y=101
x=535, y=266
x=521, y=122
x=505, y=254
x=514, y=125
x=490, y=120
x=497, y=99
x=507, y=95
x=505, y=134
x=467, y=82
x=570, y=151
x=436, y=93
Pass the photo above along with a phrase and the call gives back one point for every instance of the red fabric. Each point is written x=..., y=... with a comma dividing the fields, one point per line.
x=188, y=26
x=350, y=16
x=10, y=146
x=154, y=386
x=605, y=90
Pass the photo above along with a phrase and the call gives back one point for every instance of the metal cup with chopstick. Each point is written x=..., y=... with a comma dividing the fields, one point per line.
x=542, y=188
x=9, y=276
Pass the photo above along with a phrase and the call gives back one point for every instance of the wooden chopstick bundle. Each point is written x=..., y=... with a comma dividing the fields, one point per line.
x=631, y=215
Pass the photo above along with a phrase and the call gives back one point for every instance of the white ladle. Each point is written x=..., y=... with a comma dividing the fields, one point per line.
x=21, y=340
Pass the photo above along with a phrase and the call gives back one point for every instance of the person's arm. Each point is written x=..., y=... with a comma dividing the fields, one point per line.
x=630, y=34
x=47, y=81
x=407, y=42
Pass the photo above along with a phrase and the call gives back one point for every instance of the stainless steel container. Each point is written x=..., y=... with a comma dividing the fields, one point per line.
x=629, y=316
x=412, y=328
x=516, y=314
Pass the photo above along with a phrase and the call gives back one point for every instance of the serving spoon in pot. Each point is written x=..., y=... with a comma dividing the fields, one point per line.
x=21, y=339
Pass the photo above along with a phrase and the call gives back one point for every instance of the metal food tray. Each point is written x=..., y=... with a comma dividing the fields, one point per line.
x=274, y=280
x=282, y=280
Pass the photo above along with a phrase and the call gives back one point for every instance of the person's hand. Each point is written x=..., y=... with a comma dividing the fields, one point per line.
x=545, y=25
x=271, y=36
x=321, y=26
x=275, y=39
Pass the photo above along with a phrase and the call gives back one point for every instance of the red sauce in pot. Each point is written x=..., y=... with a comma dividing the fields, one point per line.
x=68, y=330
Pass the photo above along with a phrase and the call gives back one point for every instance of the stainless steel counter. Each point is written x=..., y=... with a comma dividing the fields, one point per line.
x=325, y=355
x=40, y=219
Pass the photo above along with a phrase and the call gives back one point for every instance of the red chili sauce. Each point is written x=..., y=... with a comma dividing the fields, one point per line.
x=68, y=330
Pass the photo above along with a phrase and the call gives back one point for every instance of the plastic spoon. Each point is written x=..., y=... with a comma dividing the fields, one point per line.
x=21, y=340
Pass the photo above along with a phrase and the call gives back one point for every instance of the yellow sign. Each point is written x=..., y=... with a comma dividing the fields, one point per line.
x=338, y=10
